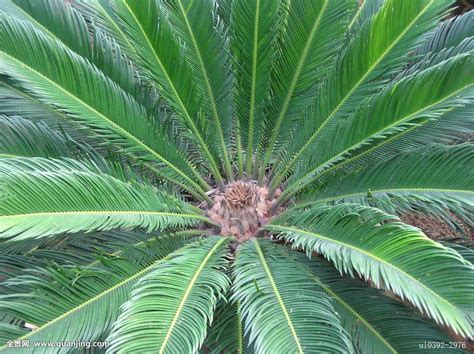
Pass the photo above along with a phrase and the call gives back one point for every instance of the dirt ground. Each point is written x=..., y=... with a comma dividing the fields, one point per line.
x=435, y=228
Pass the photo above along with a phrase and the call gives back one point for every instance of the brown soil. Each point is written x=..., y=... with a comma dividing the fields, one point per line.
x=435, y=228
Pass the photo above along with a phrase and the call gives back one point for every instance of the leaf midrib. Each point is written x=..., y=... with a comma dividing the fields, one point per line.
x=105, y=292
x=358, y=83
x=209, y=89
x=188, y=292
x=253, y=88
x=178, y=97
x=113, y=124
x=294, y=81
x=278, y=296
x=357, y=315
x=357, y=249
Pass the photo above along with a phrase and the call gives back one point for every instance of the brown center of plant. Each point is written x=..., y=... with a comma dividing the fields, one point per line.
x=242, y=209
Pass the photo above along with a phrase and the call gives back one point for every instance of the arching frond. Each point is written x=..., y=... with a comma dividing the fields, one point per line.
x=20, y=137
x=365, y=241
x=207, y=50
x=78, y=249
x=377, y=50
x=42, y=197
x=433, y=181
x=376, y=322
x=397, y=107
x=226, y=333
x=464, y=247
x=284, y=308
x=100, y=104
x=174, y=301
x=449, y=34
x=450, y=128
x=310, y=42
x=64, y=22
x=86, y=300
x=253, y=26
x=163, y=57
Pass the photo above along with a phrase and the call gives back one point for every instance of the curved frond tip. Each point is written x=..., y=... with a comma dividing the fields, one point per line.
x=367, y=242
x=43, y=197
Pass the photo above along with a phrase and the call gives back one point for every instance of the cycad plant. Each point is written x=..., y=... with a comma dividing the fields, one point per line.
x=228, y=176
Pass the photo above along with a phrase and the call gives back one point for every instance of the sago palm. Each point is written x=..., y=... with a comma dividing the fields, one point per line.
x=229, y=176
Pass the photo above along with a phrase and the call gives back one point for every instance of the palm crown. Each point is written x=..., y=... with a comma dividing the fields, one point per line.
x=228, y=176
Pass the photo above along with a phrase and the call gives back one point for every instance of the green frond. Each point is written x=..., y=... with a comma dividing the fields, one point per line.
x=20, y=137
x=42, y=197
x=308, y=49
x=17, y=103
x=78, y=249
x=432, y=59
x=369, y=243
x=434, y=180
x=376, y=322
x=449, y=34
x=284, y=308
x=100, y=104
x=143, y=24
x=378, y=50
x=253, y=26
x=450, y=128
x=226, y=333
x=67, y=24
x=207, y=50
x=397, y=107
x=364, y=12
x=9, y=331
x=58, y=19
x=85, y=300
x=464, y=247
x=174, y=301
x=100, y=15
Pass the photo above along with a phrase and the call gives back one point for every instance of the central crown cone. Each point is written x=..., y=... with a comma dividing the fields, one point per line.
x=242, y=209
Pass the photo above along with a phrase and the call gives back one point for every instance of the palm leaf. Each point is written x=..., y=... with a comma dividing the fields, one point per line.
x=101, y=104
x=365, y=241
x=310, y=42
x=433, y=181
x=78, y=249
x=253, y=27
x=284, y=309
x=452, y=127
x=67, y=24
x=377, y=323
x=21, y=137
x=449, y=34
x=45, y=197
x=226, y=334
x=464, y=247
x=17, y=103
x=379, y=49
x=87, y=300
x=396, y=112
x=175, y=301
x=196, y=24
x=164, y=58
